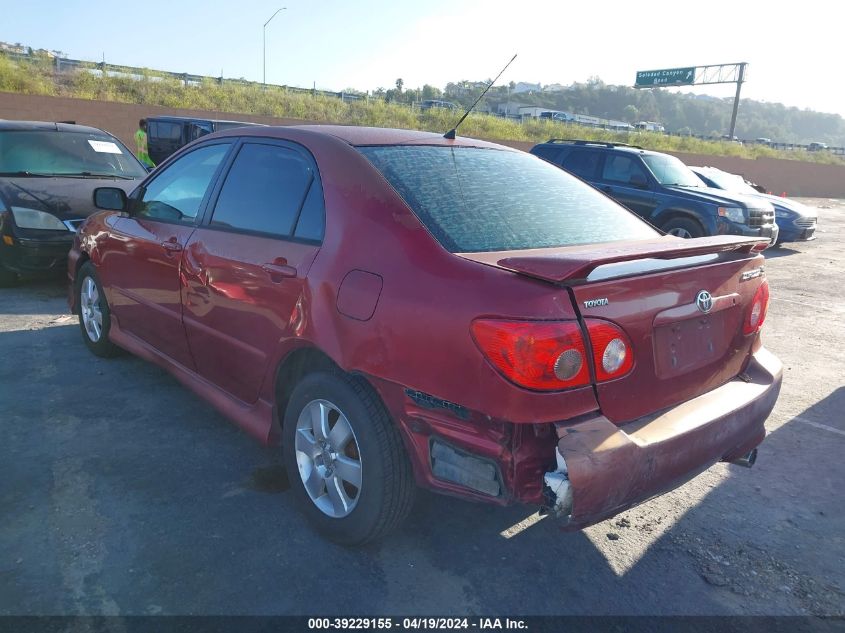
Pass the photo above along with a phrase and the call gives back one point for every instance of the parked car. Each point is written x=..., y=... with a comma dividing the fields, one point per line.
x=166, y=134
x=48, y=172
x=398, y=308
x=661, y=189
x=817, y=147
x=437, y=103
x=796, y=222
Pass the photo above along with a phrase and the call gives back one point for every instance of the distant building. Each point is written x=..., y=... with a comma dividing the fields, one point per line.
x=464, y=88
x=510, y=108
x=554, y=88
x=526, y=87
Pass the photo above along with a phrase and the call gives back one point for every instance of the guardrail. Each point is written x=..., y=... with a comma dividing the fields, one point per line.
x=63, y=64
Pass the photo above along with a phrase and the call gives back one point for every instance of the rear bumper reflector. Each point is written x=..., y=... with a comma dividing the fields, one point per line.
x=459, y=467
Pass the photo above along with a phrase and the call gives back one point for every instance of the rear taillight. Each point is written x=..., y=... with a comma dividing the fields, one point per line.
x=613, y=356
x=757, y=312
x=540, y=355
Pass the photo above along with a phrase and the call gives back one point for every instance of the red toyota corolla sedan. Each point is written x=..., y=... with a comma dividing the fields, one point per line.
x=397, y=309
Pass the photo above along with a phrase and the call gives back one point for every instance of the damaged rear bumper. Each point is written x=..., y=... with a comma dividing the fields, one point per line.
x=604, y=469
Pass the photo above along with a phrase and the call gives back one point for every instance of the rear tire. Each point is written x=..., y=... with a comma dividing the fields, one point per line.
x=337, y=434
x=94, y=313
x=683, y=227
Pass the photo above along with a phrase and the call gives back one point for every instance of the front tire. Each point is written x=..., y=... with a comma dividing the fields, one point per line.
x=94, y=313
x=683, y=227
x=345, y=460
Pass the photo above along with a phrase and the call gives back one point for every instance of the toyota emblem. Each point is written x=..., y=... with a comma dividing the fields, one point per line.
x=704, y=301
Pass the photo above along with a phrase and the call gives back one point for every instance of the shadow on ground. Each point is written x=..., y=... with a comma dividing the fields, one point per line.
x=123, y=493
x=779, y=251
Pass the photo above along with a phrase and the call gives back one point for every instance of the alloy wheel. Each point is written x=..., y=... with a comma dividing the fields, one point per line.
x=328, y=458
x=680, y=232
x=89, y=305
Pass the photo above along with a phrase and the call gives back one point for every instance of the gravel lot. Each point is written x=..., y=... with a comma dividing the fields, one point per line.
x=122, y=493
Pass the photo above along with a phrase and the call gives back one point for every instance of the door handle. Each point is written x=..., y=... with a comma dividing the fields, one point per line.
x=607, y=189
x=171, y=247
x=277, y=270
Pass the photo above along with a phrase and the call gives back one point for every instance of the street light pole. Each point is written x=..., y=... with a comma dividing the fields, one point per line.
x=264, y=44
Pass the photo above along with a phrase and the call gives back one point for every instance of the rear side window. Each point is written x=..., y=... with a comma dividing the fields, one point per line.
x=310, y=224
x=165, y=130
x=476, y=200
x=264, y=190
x=582, y=163
x=546, y=152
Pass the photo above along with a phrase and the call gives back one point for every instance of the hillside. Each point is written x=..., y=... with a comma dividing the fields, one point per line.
x=153, y=88
x=685, y=113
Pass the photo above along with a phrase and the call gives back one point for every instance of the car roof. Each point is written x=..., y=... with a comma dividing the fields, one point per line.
x=603, y=146
x=362, y=136
x=48, y=126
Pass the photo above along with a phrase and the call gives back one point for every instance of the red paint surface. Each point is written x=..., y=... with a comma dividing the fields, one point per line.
x=223, y=323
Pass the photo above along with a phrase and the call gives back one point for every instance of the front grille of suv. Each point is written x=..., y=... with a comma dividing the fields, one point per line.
x=760, y=217
x=806, y=223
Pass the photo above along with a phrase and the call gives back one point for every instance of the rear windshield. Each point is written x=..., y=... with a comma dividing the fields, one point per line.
x=670, y=171
x=55, y=153
x=479, y=200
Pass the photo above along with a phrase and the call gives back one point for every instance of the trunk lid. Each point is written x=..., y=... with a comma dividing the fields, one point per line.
x=650, y=289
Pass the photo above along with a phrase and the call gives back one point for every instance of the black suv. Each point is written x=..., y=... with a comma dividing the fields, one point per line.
x=661, y=189
x=166, y=134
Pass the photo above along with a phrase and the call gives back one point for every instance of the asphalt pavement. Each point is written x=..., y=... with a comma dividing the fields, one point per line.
x=122, y=493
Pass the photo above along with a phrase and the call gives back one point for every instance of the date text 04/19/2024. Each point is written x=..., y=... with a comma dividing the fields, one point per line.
x=416, y=623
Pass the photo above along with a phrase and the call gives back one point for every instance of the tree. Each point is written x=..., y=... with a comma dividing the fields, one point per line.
x=632, y=115
x=430, y=92
x=399, y=84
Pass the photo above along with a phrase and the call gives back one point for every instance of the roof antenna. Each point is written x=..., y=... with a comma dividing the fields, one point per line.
x=451, y=133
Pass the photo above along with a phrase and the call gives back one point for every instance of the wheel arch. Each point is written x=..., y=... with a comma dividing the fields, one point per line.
x=291, y=369
x=672, y=213
x=81, y=260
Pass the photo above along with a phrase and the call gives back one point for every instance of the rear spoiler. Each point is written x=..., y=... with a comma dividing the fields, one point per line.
x=575, y=264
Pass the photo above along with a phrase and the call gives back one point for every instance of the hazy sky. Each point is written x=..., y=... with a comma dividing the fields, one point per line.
x=794, y=53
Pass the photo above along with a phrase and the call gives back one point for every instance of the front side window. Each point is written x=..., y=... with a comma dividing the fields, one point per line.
x=177, y=192
x=619, y=168
x=62, y=153
x=476, y=200
x=264, y=190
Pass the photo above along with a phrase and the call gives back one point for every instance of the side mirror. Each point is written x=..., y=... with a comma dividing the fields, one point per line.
x=639, y=181
x=110, y=198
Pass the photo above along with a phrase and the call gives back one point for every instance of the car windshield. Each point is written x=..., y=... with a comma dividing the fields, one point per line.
x=61, y=153
x=670, y=171
x=729, y=182
x=481, y=200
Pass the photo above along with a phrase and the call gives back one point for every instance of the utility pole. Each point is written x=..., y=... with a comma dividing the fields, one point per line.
x=264, y=45
x=739, y=81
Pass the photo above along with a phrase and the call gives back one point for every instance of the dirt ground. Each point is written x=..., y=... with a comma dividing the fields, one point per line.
x=122, y=493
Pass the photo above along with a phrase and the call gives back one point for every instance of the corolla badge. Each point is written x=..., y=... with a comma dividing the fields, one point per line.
x=704, y=301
